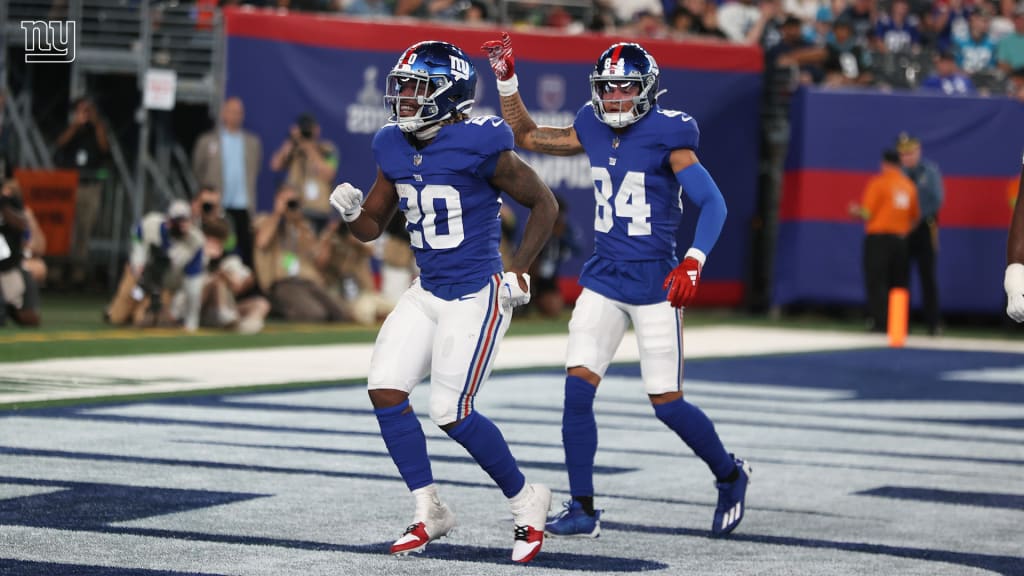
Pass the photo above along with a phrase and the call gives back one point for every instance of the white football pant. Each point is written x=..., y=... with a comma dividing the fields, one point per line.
x=599, y=323
x=455, y=342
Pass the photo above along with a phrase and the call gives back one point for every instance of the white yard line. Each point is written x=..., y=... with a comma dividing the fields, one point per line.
x=156, y=373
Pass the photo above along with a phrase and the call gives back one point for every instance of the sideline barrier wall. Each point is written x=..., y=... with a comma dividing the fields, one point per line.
x=836, y=146
x=334, y=68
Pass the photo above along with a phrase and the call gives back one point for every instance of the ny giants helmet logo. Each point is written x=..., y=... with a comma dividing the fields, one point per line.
x=460, y=68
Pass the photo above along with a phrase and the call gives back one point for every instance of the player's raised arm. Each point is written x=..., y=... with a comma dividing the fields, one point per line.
x=366, y=219
x=518, y=180
x=546, y=139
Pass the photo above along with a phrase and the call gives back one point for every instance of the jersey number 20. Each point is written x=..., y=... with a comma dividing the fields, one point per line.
x=426, y=221
x=630, y=201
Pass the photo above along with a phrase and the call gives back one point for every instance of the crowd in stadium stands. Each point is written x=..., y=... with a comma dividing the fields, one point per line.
x=947, y=46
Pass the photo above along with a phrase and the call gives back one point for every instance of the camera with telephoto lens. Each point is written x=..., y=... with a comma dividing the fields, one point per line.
x=306, y=125
x=293, y=204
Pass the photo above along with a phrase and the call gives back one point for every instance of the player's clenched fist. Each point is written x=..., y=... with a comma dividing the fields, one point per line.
x=499, y=53
x=681, y=283
x=512, y=293
x=348, y=201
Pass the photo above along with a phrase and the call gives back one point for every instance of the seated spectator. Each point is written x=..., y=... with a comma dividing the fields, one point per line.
x=737, y=17
x=1001, y=24
x=805, y=10
x=947, y=78
x=765, y=31
x=477, y=13
x=646, y=24
x=285, y=263
x=19, y=295
x=976, y=53
x=860, y=15
x=898, y=30
x=345, y=264
x=819, y=32
x=842, y=60
x=166, y=260
x=949, y=22
x=627, y=11
x=845, y=62
x=228, y=299
x=1010, y=50
x=687, y=24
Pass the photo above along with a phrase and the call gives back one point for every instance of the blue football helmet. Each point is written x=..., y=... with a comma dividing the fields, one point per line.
x=432, y=81
x=619, y=66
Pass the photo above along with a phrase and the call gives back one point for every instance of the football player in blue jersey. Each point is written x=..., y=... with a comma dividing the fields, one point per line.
x=446, y=171
x=642, y=157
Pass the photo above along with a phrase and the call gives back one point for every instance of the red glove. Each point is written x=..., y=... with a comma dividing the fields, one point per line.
x=681, y=283
x=499, y=53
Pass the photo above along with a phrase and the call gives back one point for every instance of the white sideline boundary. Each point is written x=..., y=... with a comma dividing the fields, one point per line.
x=96, y=377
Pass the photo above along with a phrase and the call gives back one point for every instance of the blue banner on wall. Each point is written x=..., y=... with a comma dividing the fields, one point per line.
x=836, y=146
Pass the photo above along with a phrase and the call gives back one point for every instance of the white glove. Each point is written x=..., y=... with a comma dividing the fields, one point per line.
x=348, y=201
x=1013, y=282
x=510, y=294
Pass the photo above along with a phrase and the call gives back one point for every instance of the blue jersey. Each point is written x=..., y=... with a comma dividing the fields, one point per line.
x=975, y=55
x=898, y=37
x=639, y=206
x=450, y=207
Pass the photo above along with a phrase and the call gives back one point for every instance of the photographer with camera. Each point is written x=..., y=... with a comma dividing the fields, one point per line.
x=19, y=295
x=165, y=266
x=311, y=164
x=228, y=299
x=83, y=146
x=285, y=263
x=207, y=207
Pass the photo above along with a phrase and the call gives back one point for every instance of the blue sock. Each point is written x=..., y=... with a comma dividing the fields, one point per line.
x=406, y=443
x=484, y=442
x=696, y=429
x=579, y=435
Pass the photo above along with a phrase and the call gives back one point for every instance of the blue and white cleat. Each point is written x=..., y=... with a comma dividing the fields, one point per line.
x=731, y=501
x=574, y=522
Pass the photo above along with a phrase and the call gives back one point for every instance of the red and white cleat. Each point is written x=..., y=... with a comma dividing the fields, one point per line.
x=439, y=522
x=529, y=523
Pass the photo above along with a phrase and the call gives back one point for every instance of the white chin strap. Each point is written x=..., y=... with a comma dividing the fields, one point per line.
x=428, y=132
